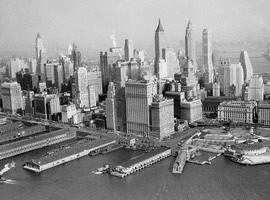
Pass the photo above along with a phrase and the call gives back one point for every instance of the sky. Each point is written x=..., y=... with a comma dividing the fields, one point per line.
x=90, y=23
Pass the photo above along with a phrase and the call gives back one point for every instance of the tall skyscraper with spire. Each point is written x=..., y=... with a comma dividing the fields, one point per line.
x=190, y=44
x=207, y=54
x=40, y=55
x=160, y=44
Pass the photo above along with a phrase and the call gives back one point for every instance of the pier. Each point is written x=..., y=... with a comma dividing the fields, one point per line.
x=145, y=160
x=180, y=162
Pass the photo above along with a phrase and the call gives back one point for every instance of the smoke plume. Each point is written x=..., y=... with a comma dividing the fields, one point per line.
x=113, y=39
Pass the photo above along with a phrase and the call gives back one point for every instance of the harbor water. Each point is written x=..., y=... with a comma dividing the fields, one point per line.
x=222, y=179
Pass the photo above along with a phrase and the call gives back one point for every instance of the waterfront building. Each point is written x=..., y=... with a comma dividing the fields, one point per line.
x=207, y=55
x=190, y=48
x=230, y=75
x=256, y=88
x=139, y=96
x=237, y=111
x=129, y=50
x=11, y=97
x=249, y=149
x=41, y=55
x=46, y=105
x=162, y=117
x=191, y=110
x=111, y=114
x=246, y=65
x=81, y=86
x=160, y=44
x=264, y=113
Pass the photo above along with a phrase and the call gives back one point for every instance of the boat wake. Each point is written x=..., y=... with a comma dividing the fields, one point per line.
x=12, y=182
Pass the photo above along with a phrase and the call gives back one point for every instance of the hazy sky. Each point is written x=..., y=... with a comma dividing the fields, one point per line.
x=91, y=22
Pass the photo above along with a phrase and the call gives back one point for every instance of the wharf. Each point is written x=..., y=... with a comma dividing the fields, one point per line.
x=138, y=163
x=67, y=154
x=199, y=162
x=180, y=162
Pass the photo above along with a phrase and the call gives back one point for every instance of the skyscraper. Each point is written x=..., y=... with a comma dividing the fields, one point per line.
x=246, y=65
x=230, y=75
x=139, y=96
x=111, y=107
x=40, y=55
x=160, y=43
x=76, y=57
x=256, y=89
x=207, y=54
x=190, y=47
x=129, y=49
x=162, y=117
x=81, y=86
x=11, y=97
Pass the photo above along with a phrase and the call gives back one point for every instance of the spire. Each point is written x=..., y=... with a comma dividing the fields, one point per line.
x=38, y=35
x=159, y=28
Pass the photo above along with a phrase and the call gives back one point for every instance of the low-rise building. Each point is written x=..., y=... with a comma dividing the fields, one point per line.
x=237, y=111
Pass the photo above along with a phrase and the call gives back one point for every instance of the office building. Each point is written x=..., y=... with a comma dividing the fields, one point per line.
x=207, y=55
x=81, y=87
x=191, y=110
x=171, y=60
x=256, y=88
x=139, y=96
x=246, y=65
x=95, y=81
x=76, y=57
x=11, y=97
x=237, y=111
x=160, y=43
x=162, y=117
x=264, y=113
x=216, y=89
x=129, y=50
x=41, y=55
x=111, y=114
x=190, y=48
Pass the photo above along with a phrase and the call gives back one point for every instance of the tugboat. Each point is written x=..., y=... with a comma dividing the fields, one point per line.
x=102, y=170
x=2, y=179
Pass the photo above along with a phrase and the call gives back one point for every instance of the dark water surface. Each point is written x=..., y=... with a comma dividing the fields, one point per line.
x=74, y=180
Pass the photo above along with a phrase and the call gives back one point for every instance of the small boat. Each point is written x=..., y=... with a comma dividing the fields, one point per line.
x=2, y=179
x=102, y=170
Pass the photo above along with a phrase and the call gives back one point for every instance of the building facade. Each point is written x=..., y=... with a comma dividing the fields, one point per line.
x=256, y=88
x=264, y=113
x=190, y=48
x=237, y=111
x=139, y=96
x=207, y=55
x=246, y=65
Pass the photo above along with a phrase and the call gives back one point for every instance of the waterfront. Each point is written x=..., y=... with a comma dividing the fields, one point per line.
x=222, y=179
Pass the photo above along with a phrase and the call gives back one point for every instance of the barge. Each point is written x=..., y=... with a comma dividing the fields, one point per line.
x=67, y=154
x=141, y=162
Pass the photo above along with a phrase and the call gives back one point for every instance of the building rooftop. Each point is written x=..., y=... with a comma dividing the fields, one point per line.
x=252, y=146
x=143, y=157
x=71, y=150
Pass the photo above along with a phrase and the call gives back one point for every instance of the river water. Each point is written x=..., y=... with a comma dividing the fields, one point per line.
x=222, y=179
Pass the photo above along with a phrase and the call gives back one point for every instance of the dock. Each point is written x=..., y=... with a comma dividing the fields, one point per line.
x=180, y=162
x=140, y=162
